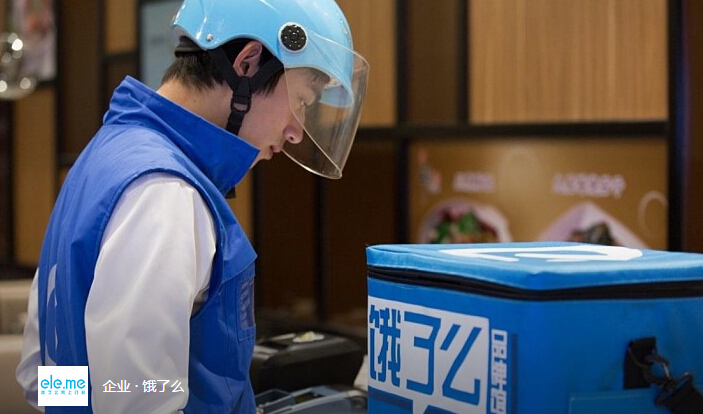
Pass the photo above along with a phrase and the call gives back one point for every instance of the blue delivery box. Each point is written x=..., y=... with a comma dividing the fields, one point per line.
x=534, y=328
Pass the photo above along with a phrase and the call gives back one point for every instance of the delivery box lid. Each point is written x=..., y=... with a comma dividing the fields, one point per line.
x=530, y=269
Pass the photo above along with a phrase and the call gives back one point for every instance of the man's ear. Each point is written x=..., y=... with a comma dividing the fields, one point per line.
x=247, y=61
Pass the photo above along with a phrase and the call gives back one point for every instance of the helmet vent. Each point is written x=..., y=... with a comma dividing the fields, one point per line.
x=293, y=37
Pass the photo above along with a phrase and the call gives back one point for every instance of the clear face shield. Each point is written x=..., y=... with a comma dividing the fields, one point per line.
x=328, y=110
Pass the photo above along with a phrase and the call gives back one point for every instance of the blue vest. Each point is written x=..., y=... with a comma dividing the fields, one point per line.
x=145, y=133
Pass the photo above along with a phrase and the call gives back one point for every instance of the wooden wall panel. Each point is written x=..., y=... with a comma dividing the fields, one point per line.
x=120, y=26
x=79, y=75
x=34, y=172
x=3, y=12
x=432, y=70
x=114, y=73
x=372, y=24
x=555, y=60
x=361, y=212
x=286, y=237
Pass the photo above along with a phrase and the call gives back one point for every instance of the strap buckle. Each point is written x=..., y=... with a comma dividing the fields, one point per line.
x=647, y=366
x=655, y=370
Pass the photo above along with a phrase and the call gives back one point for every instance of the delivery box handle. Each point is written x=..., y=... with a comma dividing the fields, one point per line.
x=644, y=366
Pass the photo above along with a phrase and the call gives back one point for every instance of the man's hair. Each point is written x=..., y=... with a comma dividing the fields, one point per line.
x=196, y=69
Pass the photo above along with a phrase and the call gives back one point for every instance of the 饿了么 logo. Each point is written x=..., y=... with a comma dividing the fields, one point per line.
x=62, y=386
x=424, y=359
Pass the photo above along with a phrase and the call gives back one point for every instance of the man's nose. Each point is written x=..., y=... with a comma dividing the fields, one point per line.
x=294, y=133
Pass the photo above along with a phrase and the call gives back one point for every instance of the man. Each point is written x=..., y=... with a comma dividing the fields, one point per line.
x=145, y=275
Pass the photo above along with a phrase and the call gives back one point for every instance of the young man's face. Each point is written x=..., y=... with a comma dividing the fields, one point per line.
x=277, y=117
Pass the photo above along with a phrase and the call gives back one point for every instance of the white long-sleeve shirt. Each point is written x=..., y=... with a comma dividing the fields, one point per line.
x=151, y=274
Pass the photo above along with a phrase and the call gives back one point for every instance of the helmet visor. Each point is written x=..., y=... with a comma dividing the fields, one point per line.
x=328, y=109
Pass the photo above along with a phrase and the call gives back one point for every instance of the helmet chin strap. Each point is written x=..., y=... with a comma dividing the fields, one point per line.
x=242, y=86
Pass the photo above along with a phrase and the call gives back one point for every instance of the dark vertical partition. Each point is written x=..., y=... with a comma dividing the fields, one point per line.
x=5, y=184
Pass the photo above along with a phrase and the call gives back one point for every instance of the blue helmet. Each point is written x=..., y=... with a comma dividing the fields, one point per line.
x=310, y=34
